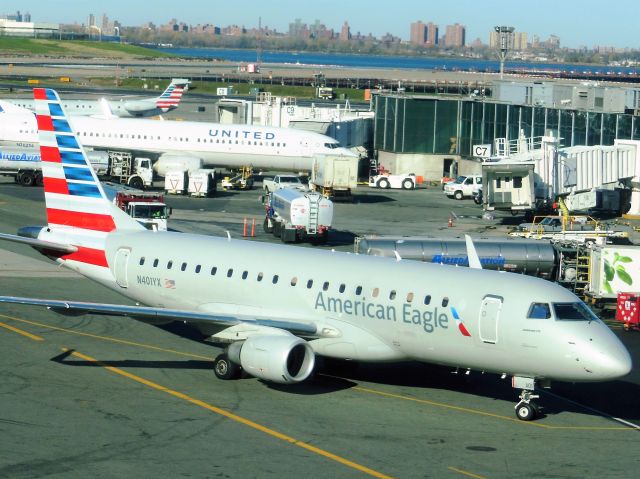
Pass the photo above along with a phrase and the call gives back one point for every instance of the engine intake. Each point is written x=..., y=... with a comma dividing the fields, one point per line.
x=284, y=359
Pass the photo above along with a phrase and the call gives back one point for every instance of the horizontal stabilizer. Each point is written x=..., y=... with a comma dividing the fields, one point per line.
x=39, y=244
x=154, y=315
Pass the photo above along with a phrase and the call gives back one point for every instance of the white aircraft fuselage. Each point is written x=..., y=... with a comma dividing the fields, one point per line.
x=215, y=144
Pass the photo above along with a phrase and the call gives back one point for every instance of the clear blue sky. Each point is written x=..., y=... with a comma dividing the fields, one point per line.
x=576, y=22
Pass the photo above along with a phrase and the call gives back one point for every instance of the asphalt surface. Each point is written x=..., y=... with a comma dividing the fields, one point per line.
x=93, y=396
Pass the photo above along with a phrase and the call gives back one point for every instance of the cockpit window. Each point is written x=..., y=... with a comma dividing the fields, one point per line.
x=539, y=311
x=331, y=145
x=573, y=312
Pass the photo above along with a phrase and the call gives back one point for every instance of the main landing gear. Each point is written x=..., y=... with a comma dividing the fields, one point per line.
x=224, y=368
x=526, y=409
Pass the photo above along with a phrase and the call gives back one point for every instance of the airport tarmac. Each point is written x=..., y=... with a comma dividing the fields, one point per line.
x=92, y=396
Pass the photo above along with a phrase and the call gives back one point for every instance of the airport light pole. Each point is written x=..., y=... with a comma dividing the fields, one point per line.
x=505, y=41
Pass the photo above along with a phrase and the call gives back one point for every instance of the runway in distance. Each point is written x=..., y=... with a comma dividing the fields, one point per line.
x=125, y=107
x=275, y=307
x=184, y=145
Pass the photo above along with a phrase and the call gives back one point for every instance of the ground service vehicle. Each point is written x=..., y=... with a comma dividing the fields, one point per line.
x=146, y=207
x=126, y=169
x=463, y=187
x=406, y=182
x=294, y=215
x=334, y=175
x=176, y=182
x=203, y=183
x=282, y=181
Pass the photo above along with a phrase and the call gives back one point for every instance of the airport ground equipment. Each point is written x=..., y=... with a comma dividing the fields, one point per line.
x=463, y=187
x=282, y=181
x=628, y=310
x=146, y=207
x=406, y=182
x=203, y=183
x=582, y=229
x=334, y=175
x=176, y=182
x=241, y=180
x=126, y=169
x=23, y=164
x=293, y=215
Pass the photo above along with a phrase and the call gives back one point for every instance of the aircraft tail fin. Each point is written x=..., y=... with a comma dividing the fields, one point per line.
x=171, y=97
x=74, y=198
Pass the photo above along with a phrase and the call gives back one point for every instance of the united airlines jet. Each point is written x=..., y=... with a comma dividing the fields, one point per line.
x=276, y=307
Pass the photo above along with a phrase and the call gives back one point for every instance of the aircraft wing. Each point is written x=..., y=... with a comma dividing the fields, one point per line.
x=149, y=314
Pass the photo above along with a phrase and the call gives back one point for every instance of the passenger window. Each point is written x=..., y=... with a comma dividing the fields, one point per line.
x=375, y=292
x=358, y=290
x=183, y=267
x=260, y=276
x=155, y=263
x=294, y=281
x=539, y=311
x=245, y=274
x=325, y=286
x=198, y=268
x=341, y=288
x=309, y=284
x=392, y=294
x=169, y=264
x=275, y=279
x=445, y=302
x=141, y=261
x=229, y=272
x=427, y=299
x=213, y=271
x=409, y=297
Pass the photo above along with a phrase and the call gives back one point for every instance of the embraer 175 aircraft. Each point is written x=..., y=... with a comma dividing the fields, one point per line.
x=126, y=107
x=276, y=307
x=186, y=144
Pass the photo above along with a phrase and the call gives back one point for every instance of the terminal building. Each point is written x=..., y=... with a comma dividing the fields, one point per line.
x=434, y=136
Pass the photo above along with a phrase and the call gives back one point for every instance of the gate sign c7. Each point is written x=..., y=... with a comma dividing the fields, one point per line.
x=482, y=151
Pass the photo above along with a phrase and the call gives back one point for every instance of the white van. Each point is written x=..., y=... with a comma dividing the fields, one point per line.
x=463, y=187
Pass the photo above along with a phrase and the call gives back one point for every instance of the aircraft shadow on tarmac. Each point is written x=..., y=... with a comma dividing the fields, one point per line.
x=372, y=198
x=616, y=399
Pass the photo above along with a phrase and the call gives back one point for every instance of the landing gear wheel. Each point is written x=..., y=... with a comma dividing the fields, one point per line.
x=225, y=369
x=458, y=195
x=526, y=411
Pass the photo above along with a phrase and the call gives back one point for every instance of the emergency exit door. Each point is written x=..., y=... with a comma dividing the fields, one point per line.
x=120, y=267
x=490, y=318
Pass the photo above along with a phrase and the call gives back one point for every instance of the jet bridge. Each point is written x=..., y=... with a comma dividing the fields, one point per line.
x=528, y=174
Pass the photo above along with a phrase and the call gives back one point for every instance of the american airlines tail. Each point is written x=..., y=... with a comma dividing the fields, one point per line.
x=171, y=97
x=79, y=214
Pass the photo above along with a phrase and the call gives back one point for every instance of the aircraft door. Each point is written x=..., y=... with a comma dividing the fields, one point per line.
x=120, y=267
x=489, y=318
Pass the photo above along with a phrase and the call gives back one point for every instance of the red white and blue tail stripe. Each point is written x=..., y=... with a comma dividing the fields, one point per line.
x=170, y=99
x=461, y=327
x=77, y=208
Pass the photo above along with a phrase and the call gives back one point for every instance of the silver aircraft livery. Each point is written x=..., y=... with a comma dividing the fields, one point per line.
x=277, y=307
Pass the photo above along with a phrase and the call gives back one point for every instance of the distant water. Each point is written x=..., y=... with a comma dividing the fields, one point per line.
x=387, y=62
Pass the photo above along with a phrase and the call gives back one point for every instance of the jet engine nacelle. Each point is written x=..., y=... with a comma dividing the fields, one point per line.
x=176, y=162
x=283, y=359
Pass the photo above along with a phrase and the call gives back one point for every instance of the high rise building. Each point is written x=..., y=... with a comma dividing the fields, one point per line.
x=455, y=35
x=520, y=41
x=432, y=34
x=418, y=34
x=345, y=32
x=91, y=21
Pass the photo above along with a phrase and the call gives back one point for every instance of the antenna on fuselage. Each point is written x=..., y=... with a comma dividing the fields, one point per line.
x=472, y=254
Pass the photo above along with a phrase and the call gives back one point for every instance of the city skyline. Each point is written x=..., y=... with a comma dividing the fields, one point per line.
x=564, y=19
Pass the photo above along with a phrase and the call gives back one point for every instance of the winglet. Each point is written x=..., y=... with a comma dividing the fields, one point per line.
x=472, y=254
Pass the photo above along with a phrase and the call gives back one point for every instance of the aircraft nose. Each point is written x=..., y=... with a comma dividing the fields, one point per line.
x=616, y=365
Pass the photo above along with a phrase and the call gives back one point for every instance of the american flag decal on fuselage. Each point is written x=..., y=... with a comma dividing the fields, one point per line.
x=74, y=198
x=171, y=97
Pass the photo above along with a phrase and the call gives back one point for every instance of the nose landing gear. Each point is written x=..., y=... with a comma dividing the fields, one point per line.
x=526, y=409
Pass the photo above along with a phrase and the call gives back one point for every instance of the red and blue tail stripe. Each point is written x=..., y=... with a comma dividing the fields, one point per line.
x=76, y=204
x=461, y=327
x=170, y=98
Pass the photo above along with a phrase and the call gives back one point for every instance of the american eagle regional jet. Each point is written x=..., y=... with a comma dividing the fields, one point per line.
x=276, y=307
